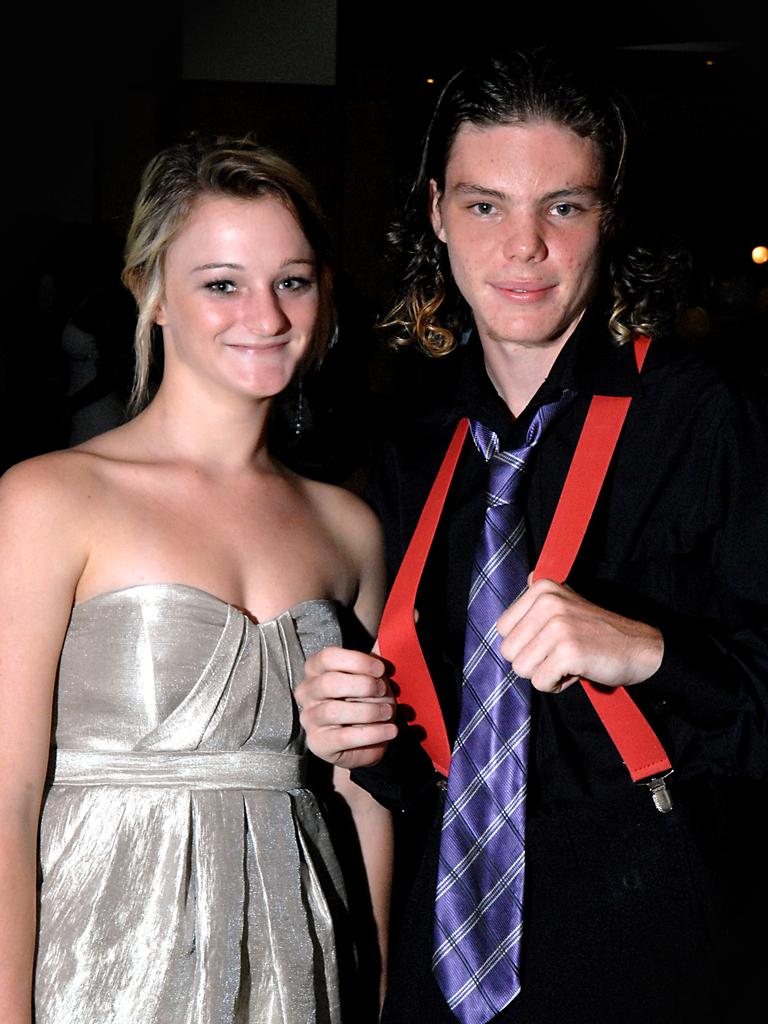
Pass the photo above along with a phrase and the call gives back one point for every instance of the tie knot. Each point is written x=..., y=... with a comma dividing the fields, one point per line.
x=547, y=414
x=487, y=440
x=506, y=467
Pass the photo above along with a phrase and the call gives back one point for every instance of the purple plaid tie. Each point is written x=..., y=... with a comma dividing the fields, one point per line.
x=479, y=899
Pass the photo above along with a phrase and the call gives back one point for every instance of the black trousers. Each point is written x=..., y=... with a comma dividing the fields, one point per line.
x=631, y=917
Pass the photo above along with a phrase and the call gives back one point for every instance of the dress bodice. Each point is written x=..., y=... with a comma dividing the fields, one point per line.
x=164, y=666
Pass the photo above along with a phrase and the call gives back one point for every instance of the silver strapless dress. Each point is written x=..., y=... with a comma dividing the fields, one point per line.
x=187, y=874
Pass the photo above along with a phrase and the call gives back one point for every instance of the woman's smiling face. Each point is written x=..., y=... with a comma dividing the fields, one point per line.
x=240, y=297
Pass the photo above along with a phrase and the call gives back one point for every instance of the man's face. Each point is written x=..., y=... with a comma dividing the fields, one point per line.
x=520, y=216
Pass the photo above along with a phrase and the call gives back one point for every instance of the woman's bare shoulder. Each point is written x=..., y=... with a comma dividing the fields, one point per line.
x=69, y=477
x=348, y=513
x=62, y=479
x=52, y=501
x=46, y=513
x=357, y=531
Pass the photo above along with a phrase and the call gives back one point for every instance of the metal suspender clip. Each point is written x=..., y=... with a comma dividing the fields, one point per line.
x=662, y=798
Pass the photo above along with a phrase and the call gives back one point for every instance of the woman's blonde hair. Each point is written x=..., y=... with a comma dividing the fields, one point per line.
x=171, y=184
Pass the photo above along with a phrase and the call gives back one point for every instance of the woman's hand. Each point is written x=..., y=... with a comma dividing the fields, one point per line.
x=347, y=707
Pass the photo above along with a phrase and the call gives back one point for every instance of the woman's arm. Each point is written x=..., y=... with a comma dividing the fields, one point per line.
x=373, y=824
x=347, y=707
x=39, y=567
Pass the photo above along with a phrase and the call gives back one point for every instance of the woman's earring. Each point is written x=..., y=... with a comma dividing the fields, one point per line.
x=298, y=413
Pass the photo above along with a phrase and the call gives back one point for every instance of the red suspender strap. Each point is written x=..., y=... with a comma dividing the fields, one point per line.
x=398, y=642
x=635, y=741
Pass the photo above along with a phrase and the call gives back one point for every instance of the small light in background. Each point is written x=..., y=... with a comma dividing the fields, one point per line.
x=709, y=63
x=760, y=254
x=430, y=81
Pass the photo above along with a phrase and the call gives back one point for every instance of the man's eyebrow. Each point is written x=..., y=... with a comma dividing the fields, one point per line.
x=479, y=190
x=575, y=191
x=585, y=191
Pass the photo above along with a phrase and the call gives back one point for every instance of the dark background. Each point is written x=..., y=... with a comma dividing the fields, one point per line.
x=343, y=90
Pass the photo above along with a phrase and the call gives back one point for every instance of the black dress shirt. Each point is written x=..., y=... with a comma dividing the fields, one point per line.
x=630, y=915
x=679, y=539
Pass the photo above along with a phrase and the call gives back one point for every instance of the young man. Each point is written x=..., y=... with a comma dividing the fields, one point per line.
x=601, y=908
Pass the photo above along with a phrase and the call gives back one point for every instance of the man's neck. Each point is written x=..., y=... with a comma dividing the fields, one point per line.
x=517, y=371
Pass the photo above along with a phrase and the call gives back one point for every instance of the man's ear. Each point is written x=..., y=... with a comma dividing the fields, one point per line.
x=435, y=215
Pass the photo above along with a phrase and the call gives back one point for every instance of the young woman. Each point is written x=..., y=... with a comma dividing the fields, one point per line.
x=177, y=576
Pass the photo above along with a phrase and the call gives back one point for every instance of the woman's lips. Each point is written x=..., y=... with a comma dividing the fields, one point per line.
x=254, y=349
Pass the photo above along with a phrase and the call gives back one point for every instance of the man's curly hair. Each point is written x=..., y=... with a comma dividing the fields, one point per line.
x=516, y=89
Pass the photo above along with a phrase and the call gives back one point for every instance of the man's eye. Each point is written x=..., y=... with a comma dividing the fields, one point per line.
x=564, y=209
x=483, y=209
x=221, y=287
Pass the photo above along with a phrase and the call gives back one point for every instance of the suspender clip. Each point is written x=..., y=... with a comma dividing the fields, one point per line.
x=662, y=798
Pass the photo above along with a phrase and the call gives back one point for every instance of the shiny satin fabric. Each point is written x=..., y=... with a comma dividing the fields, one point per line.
x=187, y=875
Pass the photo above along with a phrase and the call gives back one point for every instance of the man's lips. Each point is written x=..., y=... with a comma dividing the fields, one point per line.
x=523, y=291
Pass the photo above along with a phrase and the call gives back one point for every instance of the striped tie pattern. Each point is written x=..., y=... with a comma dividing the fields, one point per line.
x=479, y=900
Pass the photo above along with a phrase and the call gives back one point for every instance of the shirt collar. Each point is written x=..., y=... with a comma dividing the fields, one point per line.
x=590, y=363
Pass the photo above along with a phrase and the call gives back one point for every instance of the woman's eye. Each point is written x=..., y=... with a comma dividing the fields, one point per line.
x=293, y=284
x=221, y=287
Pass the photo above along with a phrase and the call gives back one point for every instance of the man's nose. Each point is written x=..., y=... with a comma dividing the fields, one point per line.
x=525, y=239
x=264, y=315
